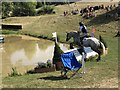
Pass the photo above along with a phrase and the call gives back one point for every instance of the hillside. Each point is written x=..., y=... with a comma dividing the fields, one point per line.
x=103, y=74
x=46, y=24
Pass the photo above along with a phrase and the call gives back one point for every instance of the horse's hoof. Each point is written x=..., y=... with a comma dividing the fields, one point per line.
x=85, y=59
x=98, y=60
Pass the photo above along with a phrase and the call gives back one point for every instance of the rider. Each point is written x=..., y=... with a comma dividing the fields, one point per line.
x=83, y=29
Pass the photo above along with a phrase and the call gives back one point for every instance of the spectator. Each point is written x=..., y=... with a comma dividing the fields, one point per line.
x=93, y=31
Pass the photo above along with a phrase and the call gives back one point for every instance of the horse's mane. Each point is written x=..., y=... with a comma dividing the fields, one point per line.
x=75, y=31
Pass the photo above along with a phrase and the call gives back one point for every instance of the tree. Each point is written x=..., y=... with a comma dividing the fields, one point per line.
x=24, y=8
x=47, y=9
x=7, y=9
x=39, y=4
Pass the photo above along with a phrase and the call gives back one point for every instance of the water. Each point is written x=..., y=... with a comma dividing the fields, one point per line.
x=24, y=53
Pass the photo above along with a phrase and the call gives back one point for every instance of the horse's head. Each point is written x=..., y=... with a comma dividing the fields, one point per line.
x=68, y=36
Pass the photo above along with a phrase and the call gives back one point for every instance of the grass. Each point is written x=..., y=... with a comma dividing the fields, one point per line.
x=103, y=74
x=14, y=72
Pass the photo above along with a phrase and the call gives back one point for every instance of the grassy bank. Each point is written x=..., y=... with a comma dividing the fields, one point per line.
x=103, y=74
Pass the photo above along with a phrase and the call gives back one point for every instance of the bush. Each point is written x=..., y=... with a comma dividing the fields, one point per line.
x=42, y=65
x=7, y=9
x=24, y=8
x=48, y=64
x=57, y=53
x=14, y=73
x=45, y=10
x=39, y=4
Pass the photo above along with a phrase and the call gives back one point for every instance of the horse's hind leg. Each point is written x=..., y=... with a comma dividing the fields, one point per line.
x=99, y=54
x=64, y=72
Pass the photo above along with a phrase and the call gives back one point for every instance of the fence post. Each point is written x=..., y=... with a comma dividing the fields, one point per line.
x=83, y=62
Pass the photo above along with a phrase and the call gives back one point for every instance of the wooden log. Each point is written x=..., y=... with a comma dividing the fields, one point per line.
x=43, y=70
x=11, y=26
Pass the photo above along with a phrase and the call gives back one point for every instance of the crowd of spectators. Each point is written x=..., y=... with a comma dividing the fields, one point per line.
x=89, y=11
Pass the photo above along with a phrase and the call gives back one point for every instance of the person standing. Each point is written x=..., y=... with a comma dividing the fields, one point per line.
x=93, y=31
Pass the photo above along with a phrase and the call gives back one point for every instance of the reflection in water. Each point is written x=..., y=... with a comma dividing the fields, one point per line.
x=29, y=48
x=25, y=54
x=43, y=44
x=38, y=56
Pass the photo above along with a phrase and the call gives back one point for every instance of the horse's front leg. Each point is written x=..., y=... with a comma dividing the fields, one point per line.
x=85, y=58
x=71, y=46
x=82, y=51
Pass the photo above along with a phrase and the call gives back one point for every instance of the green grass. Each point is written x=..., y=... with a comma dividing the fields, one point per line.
x=98, y=74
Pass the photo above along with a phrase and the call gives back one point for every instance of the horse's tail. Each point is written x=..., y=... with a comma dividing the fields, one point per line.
x=103, y=48
x=103, y=45
x=103, y=41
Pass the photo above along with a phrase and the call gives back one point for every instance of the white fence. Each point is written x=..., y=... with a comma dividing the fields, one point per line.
x=78, y=56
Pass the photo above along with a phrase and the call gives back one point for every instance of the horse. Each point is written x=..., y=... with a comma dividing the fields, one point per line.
x=95, y=44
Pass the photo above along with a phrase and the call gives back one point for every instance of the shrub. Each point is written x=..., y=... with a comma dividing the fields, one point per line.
x=39, y=4
x=42, y=65
x=57, y=53
x=14, y=73
x=49, y=63
x=45, y=10
x=24, y=8
x=7, y=9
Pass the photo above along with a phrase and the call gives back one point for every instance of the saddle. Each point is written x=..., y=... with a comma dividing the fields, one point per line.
x=82, y=37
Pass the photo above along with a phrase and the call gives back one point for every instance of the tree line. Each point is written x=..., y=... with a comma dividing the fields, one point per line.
x=28, y=8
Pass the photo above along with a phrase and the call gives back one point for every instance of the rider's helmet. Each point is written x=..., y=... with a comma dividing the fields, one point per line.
x=80, y=23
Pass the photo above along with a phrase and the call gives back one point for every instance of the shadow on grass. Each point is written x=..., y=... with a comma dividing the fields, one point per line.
x=54, y=78
x=104, y=18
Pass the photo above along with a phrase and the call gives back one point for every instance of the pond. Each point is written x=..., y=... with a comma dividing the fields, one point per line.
x=25, y=52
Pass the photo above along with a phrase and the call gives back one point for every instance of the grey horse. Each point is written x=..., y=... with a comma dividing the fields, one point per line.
x=95, y=44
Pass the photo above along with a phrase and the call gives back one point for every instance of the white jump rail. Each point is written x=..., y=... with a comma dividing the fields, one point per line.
x=78, y=56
